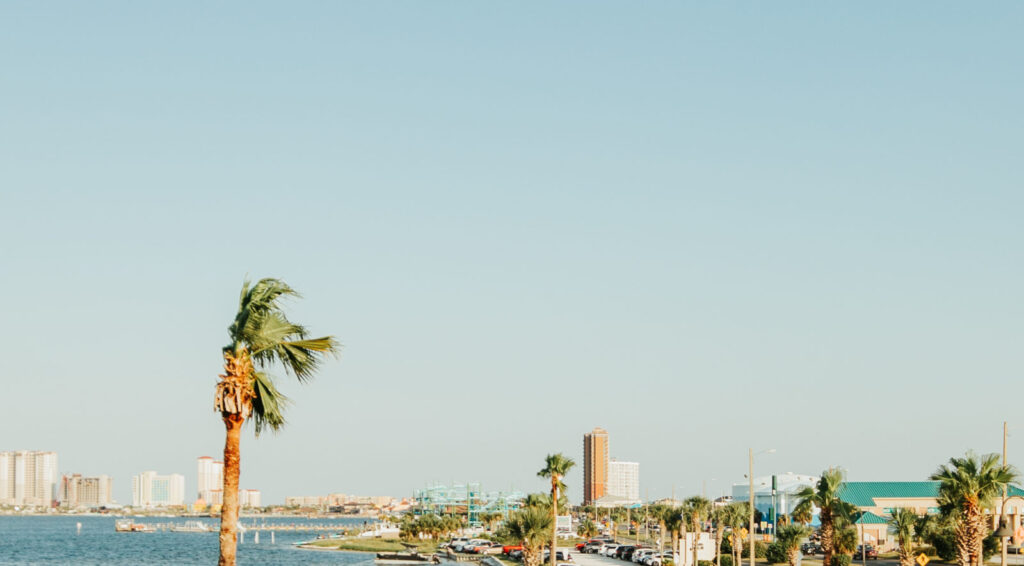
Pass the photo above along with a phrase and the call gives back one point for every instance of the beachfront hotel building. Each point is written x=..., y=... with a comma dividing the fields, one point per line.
x=28, y=478
x=150, y=489
x=209, y=479
x=595, y=465
x=624, y=482
x=78, y=491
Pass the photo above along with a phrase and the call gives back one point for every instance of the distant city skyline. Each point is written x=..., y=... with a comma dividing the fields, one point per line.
x=707, y=227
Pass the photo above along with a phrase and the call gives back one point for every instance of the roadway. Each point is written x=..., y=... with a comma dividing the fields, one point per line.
x=581, y=559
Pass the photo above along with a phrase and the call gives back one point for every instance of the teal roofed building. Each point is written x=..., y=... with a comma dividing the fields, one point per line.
x=877, y=499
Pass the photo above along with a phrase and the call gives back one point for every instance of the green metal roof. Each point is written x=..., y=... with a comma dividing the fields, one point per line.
x=869, y=518
x=864, y=493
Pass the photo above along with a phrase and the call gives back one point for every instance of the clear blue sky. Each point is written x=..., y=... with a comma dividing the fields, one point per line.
x=702, y=226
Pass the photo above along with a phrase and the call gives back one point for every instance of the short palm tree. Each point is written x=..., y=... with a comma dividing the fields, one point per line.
x=902, y=524
x=260, y=335
x=967, y=487
x=825, y=496
x=587, y=529
x=531, y=527
x=844, y=538
x=697, y=510
x=556, y=466
x=789, y=538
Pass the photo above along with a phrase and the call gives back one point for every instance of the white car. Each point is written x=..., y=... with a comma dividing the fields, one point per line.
x=640, y=553
x=609, y=549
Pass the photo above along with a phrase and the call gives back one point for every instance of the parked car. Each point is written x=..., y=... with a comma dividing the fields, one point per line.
x=659, y=560
x=469, y=546
x=493, y=548
x=508, y=548
x=872, y=552
x=626, y=552
x=640, y=553
x=560, y=556
x=810, y=548
x=516, y=554
x=609, y=549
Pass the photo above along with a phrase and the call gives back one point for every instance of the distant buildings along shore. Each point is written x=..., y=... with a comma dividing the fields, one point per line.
x=28, y=478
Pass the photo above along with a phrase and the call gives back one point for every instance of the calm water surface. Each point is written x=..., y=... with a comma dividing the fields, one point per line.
x=53, y=540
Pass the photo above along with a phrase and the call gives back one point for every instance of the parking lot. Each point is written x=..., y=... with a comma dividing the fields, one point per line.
x=593, y=559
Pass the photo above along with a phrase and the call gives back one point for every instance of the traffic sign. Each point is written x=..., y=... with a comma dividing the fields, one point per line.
x=922, y=559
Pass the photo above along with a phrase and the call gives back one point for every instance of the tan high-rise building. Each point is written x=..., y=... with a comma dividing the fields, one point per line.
x=28, y=478
x=595, y=465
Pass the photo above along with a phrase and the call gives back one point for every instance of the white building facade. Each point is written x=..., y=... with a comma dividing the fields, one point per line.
x=209, y=479
x=150, y=489
x=624, y=481
x=28, y=478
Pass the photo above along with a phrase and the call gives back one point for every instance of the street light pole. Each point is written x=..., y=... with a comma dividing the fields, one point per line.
x=751, y=498
x=1002, y=522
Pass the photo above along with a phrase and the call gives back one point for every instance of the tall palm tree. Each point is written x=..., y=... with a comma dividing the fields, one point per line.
x=902, y=523
x=672, y=521
x=640, y=518
x=556, y=466
x=260, y=335
x=789, y=538
x=721, y=517
x=616, y=516
x=697, y=510
x=825, y=496
x=736, y=518
x=531, y=527
x=967, y=487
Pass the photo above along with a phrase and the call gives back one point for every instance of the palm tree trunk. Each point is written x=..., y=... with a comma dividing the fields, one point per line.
x=827, y=538
x=675, y=547
x=229, y=508
x=696, y=538
x=554, y=518
x=719, y=533
x=661, y=538
x=681, y=559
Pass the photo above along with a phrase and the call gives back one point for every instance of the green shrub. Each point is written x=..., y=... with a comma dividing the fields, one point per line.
x=841, y=560
x=705, y=563
x=726, y=559
x=760, y=550
x=990, y=546
x=776, y=554
x=945, y=545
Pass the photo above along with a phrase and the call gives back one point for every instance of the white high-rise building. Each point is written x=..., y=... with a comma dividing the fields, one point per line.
x=152, y=490
x=624, y=481
x=210, y=478
x=249, y=498
x=28, y=478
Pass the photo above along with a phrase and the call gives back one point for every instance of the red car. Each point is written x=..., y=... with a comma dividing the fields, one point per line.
x=510, y=547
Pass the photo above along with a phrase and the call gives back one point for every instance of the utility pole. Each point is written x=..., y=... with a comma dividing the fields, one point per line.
x=1002, y=557
x=751, y=498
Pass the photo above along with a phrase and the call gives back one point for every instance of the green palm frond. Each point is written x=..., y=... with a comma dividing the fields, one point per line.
x=267, y=404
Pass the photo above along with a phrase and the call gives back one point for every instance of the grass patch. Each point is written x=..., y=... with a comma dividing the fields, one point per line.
x=373, y=545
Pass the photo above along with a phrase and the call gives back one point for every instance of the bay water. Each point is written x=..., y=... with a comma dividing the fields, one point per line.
x=55, y=540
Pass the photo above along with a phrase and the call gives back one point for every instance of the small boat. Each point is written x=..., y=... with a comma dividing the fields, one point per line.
x=395, y=558
x=192, y=527
x=129, y=526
